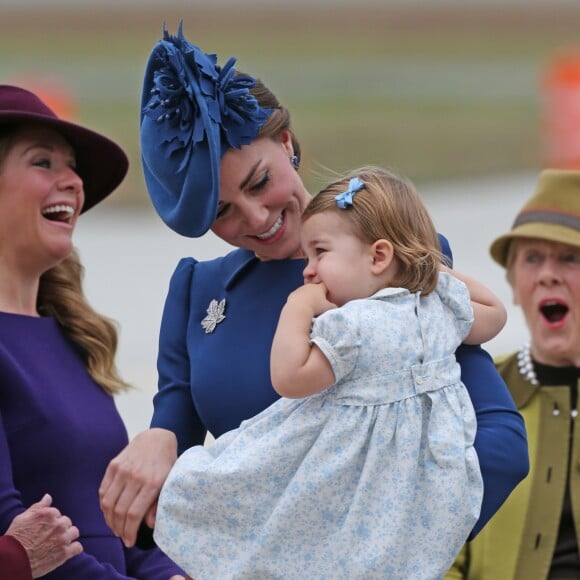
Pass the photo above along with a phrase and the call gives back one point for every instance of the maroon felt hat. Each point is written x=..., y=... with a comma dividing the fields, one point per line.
x=100, y=162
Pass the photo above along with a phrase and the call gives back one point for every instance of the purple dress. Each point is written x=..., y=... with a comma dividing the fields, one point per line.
x=58, y=432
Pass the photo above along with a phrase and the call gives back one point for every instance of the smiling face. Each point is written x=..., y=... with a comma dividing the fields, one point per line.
x=349, y=267
x=41, y=197
x=261, y=199
x=545, y=278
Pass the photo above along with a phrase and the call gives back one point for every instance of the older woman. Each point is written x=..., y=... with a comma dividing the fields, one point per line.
x=219, y=152
x=534, y=535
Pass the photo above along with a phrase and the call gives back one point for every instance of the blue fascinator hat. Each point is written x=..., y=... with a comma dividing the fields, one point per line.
x=192, y=112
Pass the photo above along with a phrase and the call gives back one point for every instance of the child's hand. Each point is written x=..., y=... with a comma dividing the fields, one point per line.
x=298, y=368
x=314, y=296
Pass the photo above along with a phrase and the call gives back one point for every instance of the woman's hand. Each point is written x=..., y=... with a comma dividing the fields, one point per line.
x=48, y=537
x=133, y=480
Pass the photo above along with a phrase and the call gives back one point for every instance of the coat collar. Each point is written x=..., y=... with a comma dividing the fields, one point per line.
x=234, y=265
x=521, y=390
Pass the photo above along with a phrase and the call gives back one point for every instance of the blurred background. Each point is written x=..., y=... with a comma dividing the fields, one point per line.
x=469, y=99
x=435, y=89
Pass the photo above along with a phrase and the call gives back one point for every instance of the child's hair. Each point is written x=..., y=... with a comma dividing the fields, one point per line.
x=389, y=208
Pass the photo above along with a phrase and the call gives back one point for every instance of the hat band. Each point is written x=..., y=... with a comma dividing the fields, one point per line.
x=548, y=217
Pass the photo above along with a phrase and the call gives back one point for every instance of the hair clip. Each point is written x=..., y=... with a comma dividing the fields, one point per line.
x=344, y=199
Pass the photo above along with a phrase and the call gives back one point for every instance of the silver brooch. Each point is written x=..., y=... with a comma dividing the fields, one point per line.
x=215, y=315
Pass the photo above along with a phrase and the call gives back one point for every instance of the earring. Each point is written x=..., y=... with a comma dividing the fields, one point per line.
x=295, y=162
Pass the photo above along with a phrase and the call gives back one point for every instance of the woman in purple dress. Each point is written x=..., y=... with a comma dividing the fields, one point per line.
x=59, y=426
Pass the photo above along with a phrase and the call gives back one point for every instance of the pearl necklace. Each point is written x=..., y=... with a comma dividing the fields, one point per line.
x=526, y=365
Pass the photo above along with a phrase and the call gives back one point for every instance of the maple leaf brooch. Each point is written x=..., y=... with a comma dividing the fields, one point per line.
x=215, y=315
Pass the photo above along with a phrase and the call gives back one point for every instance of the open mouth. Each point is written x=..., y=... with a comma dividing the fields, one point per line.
x=554, y=311
x=273, y=230
x=59, y=212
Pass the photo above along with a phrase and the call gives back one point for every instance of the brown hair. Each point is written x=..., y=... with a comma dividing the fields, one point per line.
x=389, y=208
x=61, y=296
x=279, y=120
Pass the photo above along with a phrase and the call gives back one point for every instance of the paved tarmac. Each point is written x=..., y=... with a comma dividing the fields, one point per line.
x=129, y=256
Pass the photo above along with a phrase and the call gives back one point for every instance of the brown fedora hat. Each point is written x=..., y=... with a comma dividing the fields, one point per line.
x=551, y=214
x=100, y=162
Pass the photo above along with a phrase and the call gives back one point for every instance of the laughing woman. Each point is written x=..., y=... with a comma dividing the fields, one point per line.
x=58, y=423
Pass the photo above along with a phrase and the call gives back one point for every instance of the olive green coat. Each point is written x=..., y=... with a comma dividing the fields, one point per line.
x=518, y=542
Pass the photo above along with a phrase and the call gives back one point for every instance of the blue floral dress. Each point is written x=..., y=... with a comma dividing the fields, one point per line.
x=376, y=477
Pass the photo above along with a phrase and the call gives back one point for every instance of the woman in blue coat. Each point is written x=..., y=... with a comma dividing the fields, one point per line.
x=219, y=153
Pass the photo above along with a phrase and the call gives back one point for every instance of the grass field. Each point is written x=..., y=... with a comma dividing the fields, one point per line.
x=432, y=94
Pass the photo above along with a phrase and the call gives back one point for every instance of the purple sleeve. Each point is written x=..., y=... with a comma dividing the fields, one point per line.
x=81, y=566
x=10, y=501
x=151, y=564
x=87, y=567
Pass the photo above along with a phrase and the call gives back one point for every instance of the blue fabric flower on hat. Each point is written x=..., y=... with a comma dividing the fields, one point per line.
x=193, y=111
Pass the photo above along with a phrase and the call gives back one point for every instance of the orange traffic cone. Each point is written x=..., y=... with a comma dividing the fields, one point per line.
x=53, y=91
x=560, y=87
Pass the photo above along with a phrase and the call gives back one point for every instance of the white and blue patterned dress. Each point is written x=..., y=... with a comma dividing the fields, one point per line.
x=376, y=477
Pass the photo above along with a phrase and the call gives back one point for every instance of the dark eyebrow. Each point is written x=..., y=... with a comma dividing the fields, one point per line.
x=38, y=146
x=49, y=148
x=250, y=175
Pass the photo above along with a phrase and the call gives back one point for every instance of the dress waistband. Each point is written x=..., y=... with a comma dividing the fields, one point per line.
x=399, y=385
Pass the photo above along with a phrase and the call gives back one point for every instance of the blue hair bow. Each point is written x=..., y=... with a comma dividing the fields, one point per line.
x=344, y=199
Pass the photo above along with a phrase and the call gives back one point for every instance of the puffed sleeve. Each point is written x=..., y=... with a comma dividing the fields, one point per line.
x=173, y=404
x=455, y=295
x=336, y=333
